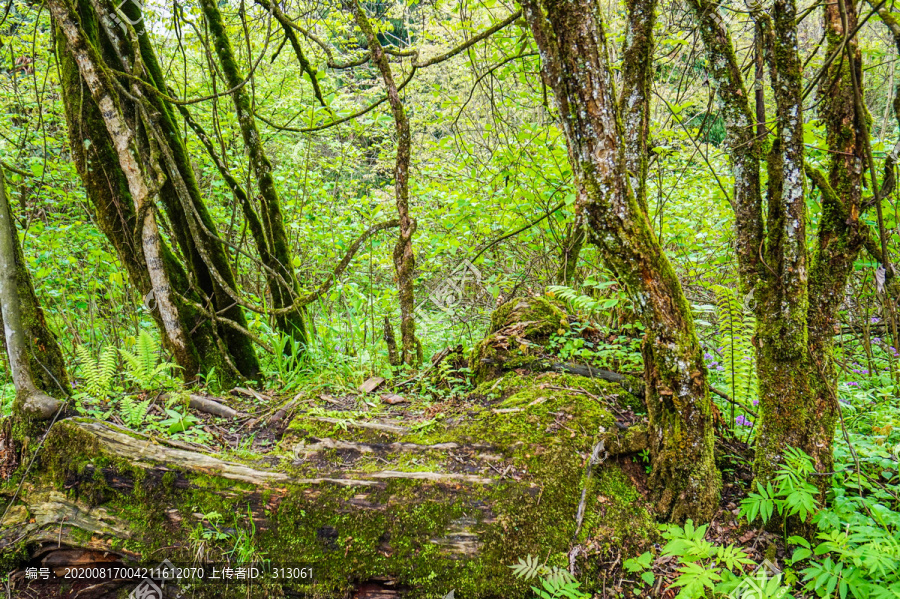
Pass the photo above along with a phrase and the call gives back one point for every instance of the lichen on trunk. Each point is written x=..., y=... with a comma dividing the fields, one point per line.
x=576, y=66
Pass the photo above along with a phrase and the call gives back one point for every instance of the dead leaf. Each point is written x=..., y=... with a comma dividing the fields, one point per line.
x=393, y=399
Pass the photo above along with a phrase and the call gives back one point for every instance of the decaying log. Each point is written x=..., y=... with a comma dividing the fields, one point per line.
x=376, y=505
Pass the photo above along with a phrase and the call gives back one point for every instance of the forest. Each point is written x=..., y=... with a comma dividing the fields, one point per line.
x=466, y=299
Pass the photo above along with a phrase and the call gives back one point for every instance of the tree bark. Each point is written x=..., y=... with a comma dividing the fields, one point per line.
x=795, y=310
x=576, y=66
x=404, y=258
x=48, y=368
x=841, y=235
x=637, y=74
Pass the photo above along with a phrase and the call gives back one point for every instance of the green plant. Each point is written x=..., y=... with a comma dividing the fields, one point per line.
x=179, y=422
x=133, y=411
x=556, y=582
x=612, y=296
x=736, y=328
x=96, y=375
x=789, y=493
x=7, y=397
x=287, y=365
x=643, y=564
x=557, y=589
x=427, y=426
x=704, y=567
x=243, y=550
x=143, y=366
x=645, y=458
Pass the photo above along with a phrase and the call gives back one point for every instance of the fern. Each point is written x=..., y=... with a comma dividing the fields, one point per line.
x=557, y=582
x=581, y=303
x=142, y=366
x=133, y=412
x=736, y=327
x=97, y=375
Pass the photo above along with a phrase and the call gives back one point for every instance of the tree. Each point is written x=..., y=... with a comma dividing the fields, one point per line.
x=404, y=258
x=112, y=129
x=797, y=293
x=271, y=238
x=570, y=35
x=35, y=360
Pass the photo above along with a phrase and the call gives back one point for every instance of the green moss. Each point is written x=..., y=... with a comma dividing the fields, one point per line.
x=517, y=333
x=544, y=317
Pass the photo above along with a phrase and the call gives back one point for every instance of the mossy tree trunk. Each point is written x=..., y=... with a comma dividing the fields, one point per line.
x=112, y=151
x=404, y=258
x=431, y=510
x=47, y=365
x=289, y=314
x=571, y=38
x=771, y=249
x=782, y=293
x=796, y=296
x=841, y=234
x=633, y=101
x=205, y=252
x=35, y=360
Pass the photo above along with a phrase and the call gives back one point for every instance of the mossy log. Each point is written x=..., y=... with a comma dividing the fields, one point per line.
x=388, y=501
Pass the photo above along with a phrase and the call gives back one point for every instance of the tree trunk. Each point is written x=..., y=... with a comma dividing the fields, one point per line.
x=22, y=336
x=404, y=258
x=796, y=314
x=570, y=251
x=280, y=274
x=205, y=252
x=103, y=144
x=840, y=234
x=637, y=75
x=573, y=47
x=785, y=394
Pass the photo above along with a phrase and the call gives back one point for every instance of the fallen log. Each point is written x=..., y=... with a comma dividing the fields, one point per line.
x=388, y=502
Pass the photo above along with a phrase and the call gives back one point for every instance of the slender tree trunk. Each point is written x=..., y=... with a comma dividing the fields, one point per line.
x=573, y=47
x=48, y=367
x=404, y=258
x=840, y=237
x=31, y=402
x=782, y=295
x=281, y=280
x=637, y=73
x=571, y=251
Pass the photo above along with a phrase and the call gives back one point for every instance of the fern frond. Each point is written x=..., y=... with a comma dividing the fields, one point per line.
x=97, y=375
x=736, y=329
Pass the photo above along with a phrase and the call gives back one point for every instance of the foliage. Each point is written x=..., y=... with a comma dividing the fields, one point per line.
x=791, y=494
x=556, y=582
x=855, y=553
x=133, y=411
x=143, y=366
x=97, y=381
x=736, y=328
